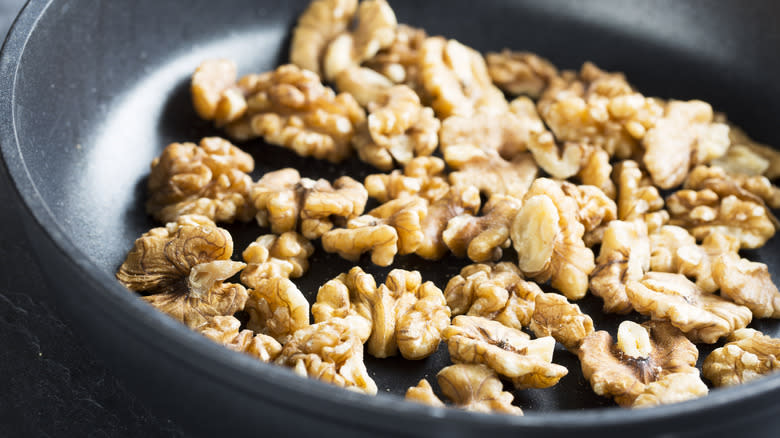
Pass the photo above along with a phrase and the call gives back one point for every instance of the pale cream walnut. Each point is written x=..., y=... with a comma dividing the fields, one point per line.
x=595, y=209
x=210, y=179
x=423, y=176
x=482, y=238
x=491, y=174
x=270, y=256
x=644, y=354
x=701, y=316
x=400, y=62
x=213, y=91
x=555, y=316
x=181, y=269
x=510, y=352
x=423, y=393
x=520, y=73
x=364, y=84
x=476, y=388
x=457, y=201
x=637, y=197
x=673, y=388
x=717, y=179
x=317, y=26
x=748, y=157
x=748, y=355
x=596, y=171
x=746, y=283
x=329, y=351
x=277, y=308
x=225, y=330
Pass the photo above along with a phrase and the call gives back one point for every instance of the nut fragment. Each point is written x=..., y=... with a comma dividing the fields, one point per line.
x=457, y=201
x=329, y=351
x=701, y=316
x=483, y=290
x=277, y=308
x=747, y=283
x=492, y=175
x=594, y=208
x=317, y=26
x=638, y=198
x=476, y=388
x=422, y=176
x=225, y=330
x=399, y=62
x=182, y=267
x=559, y=161
x=276, y=256
x=520, y=72
x=423, y=393
x=748, y=157
x=644, y=354
x=748, y=355
x=482, y=238
x=347, y=296
x=596, y=171
x=210, y=180
x=717, y=179
x=209, y=84
x=674, y=388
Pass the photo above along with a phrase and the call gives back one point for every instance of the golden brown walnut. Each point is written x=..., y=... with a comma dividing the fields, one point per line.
x=747, y=157
x=748, y=355
x=423, y=393
x=210, y=180
x=510, y=352
x=686, y=135
x=225, y=330
x=520, y=72
x=212, y=87
x=644, y=354
x=329, y=351
x=596, y=171
x=455, y=78
x=283, y=199
x=483, y=238
x=624, y=256
x=483, y=290
x=399, y=62
x=277, y=308
x=701, y=316
x=457, y=201
x=317, y=26
x=674, y=388
x=270, y=256
x=347, y=296
x=717, y=179
x=638, y=198
x=422, y=176
x=182, y=267
x=547, y=236
x=555, y=316
x=492, y=175
x=746, y=283
x=594, y=208
x=476, y=388
x=398, y=129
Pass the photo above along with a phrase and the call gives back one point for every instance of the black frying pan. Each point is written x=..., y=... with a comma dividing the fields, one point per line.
x=91, y=91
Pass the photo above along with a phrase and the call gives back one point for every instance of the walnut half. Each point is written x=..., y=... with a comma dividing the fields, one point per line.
x=748, y=355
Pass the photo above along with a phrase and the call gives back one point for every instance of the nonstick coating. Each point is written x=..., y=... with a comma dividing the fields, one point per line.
x=93, y=90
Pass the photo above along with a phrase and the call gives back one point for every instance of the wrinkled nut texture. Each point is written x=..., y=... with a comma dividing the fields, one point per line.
x=455, y=78
x=423, y=176
x=520, y=73
x=398, y=129
x=593, y=206
x=485, y=289
x=317, y=26
x=210, y=180
x=423, y=393
x=624, y=256
x=348, y=296
x=457, y=201
x=720, y=181
x=560, y=162
x=555, y=316
x=493, y=175
x=748, y=157
x=643, y=354
x=674, y=388
x=329, y=351
x=508, y=351
x=181, y=267
x=748, y=355
x=270, y=256
x=637, y=197
x=596, y=171
x=701, y=316
x=476, y=388
x=400, y=61
x=209, y=87
x=225, y=330
x=747, y=283
x=482, y=238
x=686, y=135
x=277, y=308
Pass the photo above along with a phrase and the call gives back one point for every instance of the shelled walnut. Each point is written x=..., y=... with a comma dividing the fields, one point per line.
x=748, y=355
x=747, y=157
x=348, y=296
x=555, y=316
x=482, y=238
x=457, y=201
x=746, y=283
x=318, y=25
x=213, y=90
x=283, y=200
x=594, y=208
x=520, y=73
x=492, y=175
x=423, y=176
x=210, y=179
x=277, y=308
x=225, y=330
x=399, y=62
x=717, y=179
x=638, y=370
x=270, y=256
x=596, y=171
x=182, y=267
x=637, y=197
x=423, y=393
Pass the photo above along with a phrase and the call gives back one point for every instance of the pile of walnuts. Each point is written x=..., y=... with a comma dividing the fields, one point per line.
x=558, y=189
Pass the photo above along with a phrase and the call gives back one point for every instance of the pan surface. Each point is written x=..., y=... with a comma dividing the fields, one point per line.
x=92, y=91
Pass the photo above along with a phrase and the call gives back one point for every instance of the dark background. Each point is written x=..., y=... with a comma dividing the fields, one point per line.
x=50, y=383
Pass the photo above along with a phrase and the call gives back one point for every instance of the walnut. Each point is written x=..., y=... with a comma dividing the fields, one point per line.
x=644, y=354
x=329, y=351
x=717, y=179
x=286, y=255
x=283, y=198
x=364, y=84
x=520, y=72
x=422, y=176
x=685, y=135
x=277, y=308
x=746, y=283
x=701, y=316
x=398, y=129
x=347, y=296
x=213, y=91
x=423, y=393
x=483, y=290
x=674, y=388
x=594, y=208
x=210, y=180
x=637, y=197
x=182, y=267
x=748, y=355
x=482, y=238
x=555, y=316
x=476, y=388
x=492, y=175
x=317, y=26
x=547, y=236
x=508, y=351
x=456, y=79
x=748, y=157
x=596, y=171
x=399, y=62
x=225, y=330
x=457, y=201
x=559, y=161
x=624, y=255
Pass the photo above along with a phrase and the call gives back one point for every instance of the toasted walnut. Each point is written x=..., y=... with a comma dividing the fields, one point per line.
x=347, y=296
x=748, y=157
x=555, y=316
x=317, y=26
x=476, y=388
x=644, y=354
x=674, y=388
x=559, y=161
x=520, y=72
x=364, y=84
x=492, y=175
x=182, y=267
x=423, y=393
x=596, y=171
x=484, y=290
x=224, y=330
x=283, y=197
x=329, y=351
x=482, y=238
x=456, y=79
x=277, y=308
x=273, y=256
x=422, y=176
x=399, y=62
x=747, y=283
x=398, y=129
x=638, y=198
x=508, y=351
x=624, y=256
x=457, y=201
x=701, y=316
x=717, y=179
x=210, y=180
x=748, y=355
x=213, y=89
x=547, y=236
x=594, y=208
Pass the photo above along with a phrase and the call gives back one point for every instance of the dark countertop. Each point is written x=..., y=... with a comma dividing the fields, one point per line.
x=51, y=383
